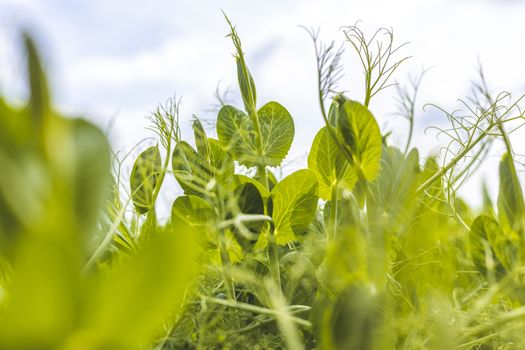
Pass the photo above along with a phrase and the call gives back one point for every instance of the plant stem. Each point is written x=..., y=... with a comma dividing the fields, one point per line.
x=510, y=316
x=263, y=176
x=256, y=309
x=410, y=133
x=101, y=249
x=424, y=186
x=333, y=212
x=273, y=255
x=226, y=266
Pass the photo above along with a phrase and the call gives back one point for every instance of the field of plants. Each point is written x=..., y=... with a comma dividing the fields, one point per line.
x=368, y=247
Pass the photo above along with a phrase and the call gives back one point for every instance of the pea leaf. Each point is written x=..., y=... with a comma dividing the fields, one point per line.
x=40, y=101
x=141, y=291
x=511, y=209
x=250, y=201
x=242, y=179
x=347, y=212
x=189, y=169
x=299, y=279
x=392, y=193
x=354, y=320
x=235, y=252
x=201, y=141
x=487, y=237
x=237, y=133
x=193, y=210
x=246, y=84
x=360, y=133
x=330, y=166
x=91, y=172
x=335, y=107
x=143, y=180
x=294, y=204
x=221, y=162
x=195, y=174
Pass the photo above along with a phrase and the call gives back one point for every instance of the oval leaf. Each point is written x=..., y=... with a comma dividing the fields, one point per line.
x=201, y=141
x=193, y=210
x=488, y=241
x=237, y=133
x=510, y=198
x=358, y=129
x=294, y=204
x=143, y=180
x=195, y=174
x=392, y=194
x=278, y=130
x=330, y=166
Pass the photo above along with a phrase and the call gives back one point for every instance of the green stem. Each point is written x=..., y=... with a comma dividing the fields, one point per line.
x=223, y=249
x=257, y=309
x=251, y=108
x=226, y=267
x=425, y=185
x=410, y=133
x=101, y=249
x=333, y=212
x=510, y=316
x=263, y=176
x=273, y=256
x=164, y=168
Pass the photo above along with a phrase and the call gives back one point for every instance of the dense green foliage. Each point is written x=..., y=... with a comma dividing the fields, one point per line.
x=367, y=248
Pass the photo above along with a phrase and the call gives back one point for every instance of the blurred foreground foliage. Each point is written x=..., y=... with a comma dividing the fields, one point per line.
x=54, y=184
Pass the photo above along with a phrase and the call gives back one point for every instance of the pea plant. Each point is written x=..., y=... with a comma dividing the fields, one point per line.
x=368, y=247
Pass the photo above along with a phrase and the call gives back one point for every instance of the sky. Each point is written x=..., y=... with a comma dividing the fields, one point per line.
x=113, y=62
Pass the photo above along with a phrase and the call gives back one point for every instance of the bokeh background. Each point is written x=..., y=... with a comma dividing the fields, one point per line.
x=115, y=61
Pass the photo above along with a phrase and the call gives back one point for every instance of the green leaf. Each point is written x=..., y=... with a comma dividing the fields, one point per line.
x=236, y=133
x=201, y=141
x=392, y=195
x=242, y=179
x=510, y=198
x=143, y=180
x=294, y=204
x=360, y=133
x=234, y=249
x=335, y=107
x=195, y=174
x=40, y=102
x=488, y=240
x=221, y=162
x=193, y=210
x=347, y=212
x=481, y=251
x=250, y=201
x=277, y=128
x=330, y=166
x=299, y=278
x=272, y=180
x=190, y=169
x=246, y=85
x=355, y=320
x=141, y=292
x=488, y=206
x=91, y=172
